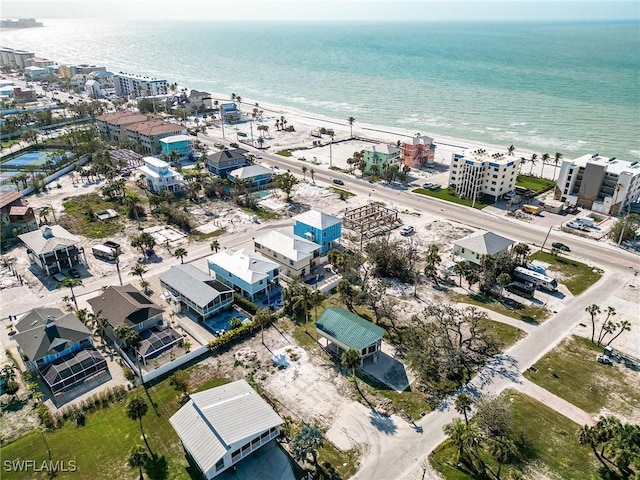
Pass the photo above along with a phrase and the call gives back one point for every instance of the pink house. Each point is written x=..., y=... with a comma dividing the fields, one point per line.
x=419, y=151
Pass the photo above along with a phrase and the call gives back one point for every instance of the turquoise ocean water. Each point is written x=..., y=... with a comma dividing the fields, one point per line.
x=547, y=87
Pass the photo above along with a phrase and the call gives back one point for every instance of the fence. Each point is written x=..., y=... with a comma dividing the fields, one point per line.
x=167, y=367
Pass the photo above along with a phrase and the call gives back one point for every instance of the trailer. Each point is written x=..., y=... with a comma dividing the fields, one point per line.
x=537, y=279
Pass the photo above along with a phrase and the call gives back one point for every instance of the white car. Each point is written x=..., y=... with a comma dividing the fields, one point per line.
x=406, y=231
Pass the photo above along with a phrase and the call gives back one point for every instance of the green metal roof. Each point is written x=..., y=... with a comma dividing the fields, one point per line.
x=348, y=328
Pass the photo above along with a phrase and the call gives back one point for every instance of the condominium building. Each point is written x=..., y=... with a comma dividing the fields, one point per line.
x=478, y=172
x=112, y=125
x=604, y=185
x=148, y=134
x=135, y=86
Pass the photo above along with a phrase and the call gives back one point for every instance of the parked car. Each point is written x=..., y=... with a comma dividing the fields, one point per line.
x=406, y=231
x=234, y=145
x=242, y=134
x=337, y=181
x=218, y=145
x=74, y=273
x=561, y=246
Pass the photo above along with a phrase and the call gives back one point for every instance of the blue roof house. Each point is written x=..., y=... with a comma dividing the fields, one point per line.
x=321, y=228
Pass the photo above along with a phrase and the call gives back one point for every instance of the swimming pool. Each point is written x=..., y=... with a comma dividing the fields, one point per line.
x=221, y=322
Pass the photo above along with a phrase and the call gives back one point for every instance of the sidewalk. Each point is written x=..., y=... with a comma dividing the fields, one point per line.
x=554, y=402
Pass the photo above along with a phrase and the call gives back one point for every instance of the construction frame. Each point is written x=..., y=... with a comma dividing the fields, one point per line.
x=371, y=220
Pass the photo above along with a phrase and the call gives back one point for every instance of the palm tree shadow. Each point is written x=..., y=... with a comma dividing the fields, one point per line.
x=382, y=423
x=157, y=468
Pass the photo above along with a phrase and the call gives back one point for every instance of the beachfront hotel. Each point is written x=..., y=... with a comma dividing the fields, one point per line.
x=479, y=172
x=135, y=86
x=604, y=185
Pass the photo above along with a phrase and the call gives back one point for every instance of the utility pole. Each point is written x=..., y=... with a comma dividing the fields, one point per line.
x=545, y=239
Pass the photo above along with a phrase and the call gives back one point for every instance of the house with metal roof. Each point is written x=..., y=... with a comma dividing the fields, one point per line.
x=295, y=255
x=129, y=306
x=160, y=176
x=253, y=175
x=59, y=347
x=52, y=248
x=181, y=144
x=344, y=330
x=199, y=293
x=473, y=247
x=221, y=426
x=225, y=161
x=248, y=273
x=378, y=157
x=319, y=227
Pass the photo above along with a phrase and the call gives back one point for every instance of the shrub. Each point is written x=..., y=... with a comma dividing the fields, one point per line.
x=232, y=336
x=45, y=416
x=234, y=323
x=81, y=419
x=245, y=304
x=128, y=374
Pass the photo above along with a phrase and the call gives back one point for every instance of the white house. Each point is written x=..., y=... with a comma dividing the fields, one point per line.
x=473, y=247
x=160, y=176
x=296, y=255
x=248, y=273
x=135, y=86
x=479, y=172
x=52, y=248
x=222, y=425
x=604, y=185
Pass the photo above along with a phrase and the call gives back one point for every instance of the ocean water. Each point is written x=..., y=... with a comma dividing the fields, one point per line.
x=548, y=87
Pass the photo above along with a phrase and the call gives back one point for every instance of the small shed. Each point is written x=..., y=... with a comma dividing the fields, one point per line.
x=344, y=330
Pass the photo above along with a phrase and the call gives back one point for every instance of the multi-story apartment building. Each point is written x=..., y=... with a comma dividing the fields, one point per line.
x=148, y=134
x=419, y=151
x=478, y=172
x=604, y=185
x=135, y=86
x=112, y=125
x=14, y=58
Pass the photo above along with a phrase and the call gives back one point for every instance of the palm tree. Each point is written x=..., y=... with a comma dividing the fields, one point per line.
x=545, y=159
x=463, y=405
x=534, y=161
x=302, y=299
x=136, y=409
x=138, y=269
x=351, y=121
x=556, y=160
x=460, y=268
x=127, y=335
x=503, y=451
x=593, y=310
x=138, y=457
x=304, y=173
x=116, y=256
x=502, y=280
x=623, y=326
x=214, y=245
x=70, y=283
x=458, y=433
x=180, y=253
x=82, y=315
x=312, y=172
x=262, y=318
x=510, y=150
x=611, y=312
x=132, y=202
x=351, y=360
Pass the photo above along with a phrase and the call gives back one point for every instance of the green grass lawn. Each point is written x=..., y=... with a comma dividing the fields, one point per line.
x=577, y=276
x=344, y=194
x=519, y=311
x=535, y=183
x=505, y=335
x=579, y=379
x=80, y=223
x=445, y=194
x=284, y=153
x=552, y=440
x=101, y=447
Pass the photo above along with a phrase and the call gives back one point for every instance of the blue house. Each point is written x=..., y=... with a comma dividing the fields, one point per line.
x=321, y=228
x=182, y=144
x=254, y=175
x=248, y=273
x=230, y=112
x=58, y=347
